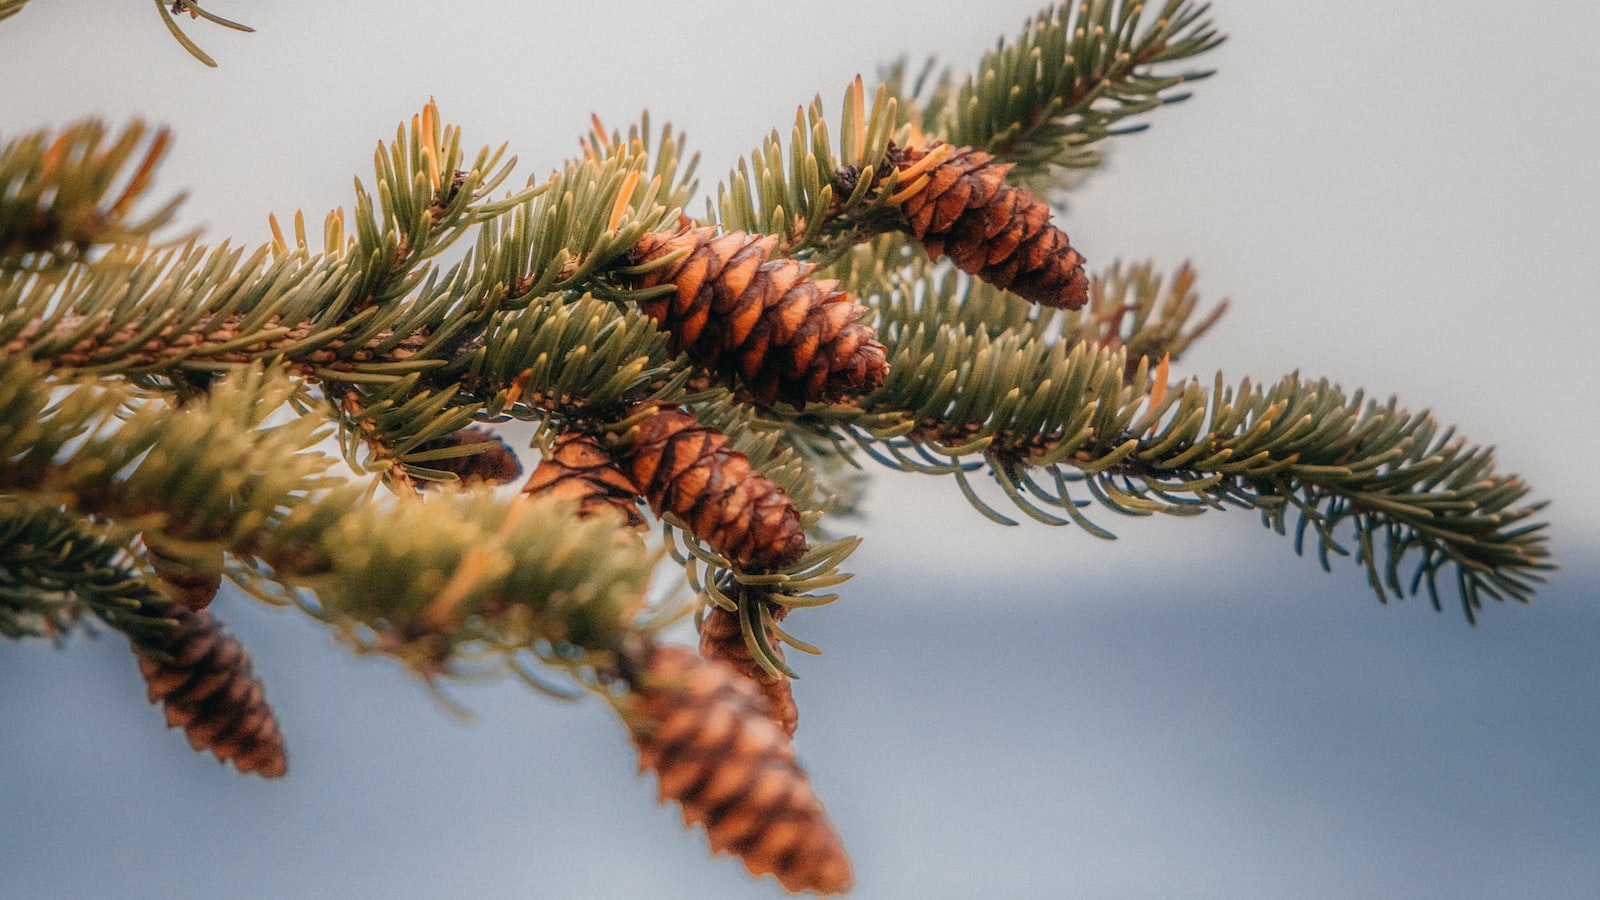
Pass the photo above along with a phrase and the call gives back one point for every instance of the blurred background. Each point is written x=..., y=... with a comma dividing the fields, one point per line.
x=1401, y=197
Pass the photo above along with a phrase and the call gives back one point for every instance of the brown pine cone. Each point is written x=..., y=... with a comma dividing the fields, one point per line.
x=704, y=729
x=683, y=467
x=743, y=315
x=579, y=467
x=493, y=465
x=181, y=579
x=720, y=638
x=1001, y=234
x=208, y=689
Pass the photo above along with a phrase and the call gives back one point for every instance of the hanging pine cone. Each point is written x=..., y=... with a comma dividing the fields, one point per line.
x=722, y=639
x=743, y=315
x=704, y=730
x=1001, y=234
x=683, y=467
x=579, y=467
x=205, y=683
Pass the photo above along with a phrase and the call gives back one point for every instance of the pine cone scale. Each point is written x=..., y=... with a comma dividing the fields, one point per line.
x=736, y=278
x=690, y=277
x=742, y=321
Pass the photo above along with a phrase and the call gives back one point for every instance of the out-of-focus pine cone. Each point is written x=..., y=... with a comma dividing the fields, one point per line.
x=999, y=233
x=721, y=638
x=493, y=465
x=579, y=467
x=208, y=690
x=740, y=313
x=685, y=468
x=705, y=731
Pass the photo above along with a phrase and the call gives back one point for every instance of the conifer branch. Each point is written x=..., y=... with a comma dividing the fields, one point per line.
x=169, y=11
x=566, y=357
x=1047, y=403
x=168, y=18
x=213, y=470
x=463, y=575
x=589, y=214
x=55, y=568
x=215, y=473
x=160, y=405
x=1076, y=72
x=55, y=193
x=1038, y=105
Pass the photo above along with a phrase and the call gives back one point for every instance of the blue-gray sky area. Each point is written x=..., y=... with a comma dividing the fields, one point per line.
x=1400, y=197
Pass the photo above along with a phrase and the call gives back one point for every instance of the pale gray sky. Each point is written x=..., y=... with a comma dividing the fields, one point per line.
x=1399, y=196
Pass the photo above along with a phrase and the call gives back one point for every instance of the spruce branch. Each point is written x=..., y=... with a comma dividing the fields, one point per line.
x=1128, y=308
x=56, y=567
x=1039, y=105
x=528, y=576
x=215, y=470
x=1050, y=405
x=161, y=407
x=589, y=214
x=1077, y=71
x=179, y=7
x=463, y=582
x=55, y=193
x=799, y=196
x=347, y=316
x=564, y=357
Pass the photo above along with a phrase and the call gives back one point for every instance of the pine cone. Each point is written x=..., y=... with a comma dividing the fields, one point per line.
x=720, y=638
x=580, y=468
x=494, y=465
x=682, y=467
x=741, y=314
x=181, y=579
x=705, y=731
x=1001, y=234
x=208, y=689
